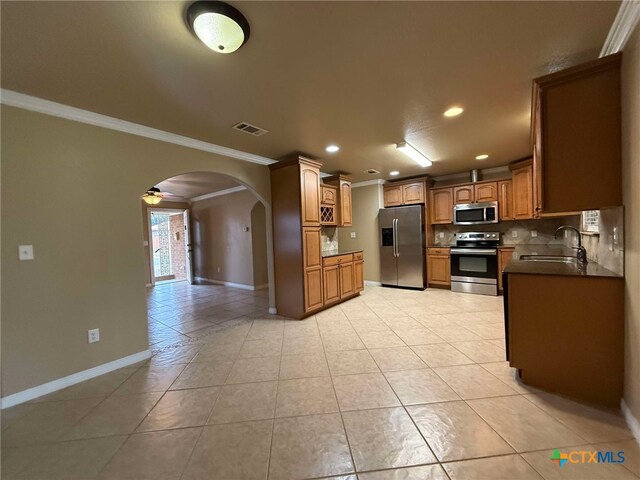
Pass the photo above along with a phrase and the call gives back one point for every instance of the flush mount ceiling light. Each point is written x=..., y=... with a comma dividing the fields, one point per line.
x=394, y=173
x=414, y=154
x=152, y=197
x=484, y=156
x=332, y=148
x=453, y=111
x=218, y=25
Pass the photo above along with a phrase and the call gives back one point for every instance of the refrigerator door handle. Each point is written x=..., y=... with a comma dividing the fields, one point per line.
x=395, y=237
x=396, y=242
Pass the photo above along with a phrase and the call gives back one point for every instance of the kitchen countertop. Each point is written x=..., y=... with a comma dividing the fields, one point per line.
x=334, y=253
x=591, y=269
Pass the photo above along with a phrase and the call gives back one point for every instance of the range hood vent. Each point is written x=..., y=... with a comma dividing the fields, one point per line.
x=474, y=175
x=246, y=127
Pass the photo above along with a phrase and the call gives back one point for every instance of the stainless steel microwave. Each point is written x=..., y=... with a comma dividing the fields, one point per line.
x=475, y=213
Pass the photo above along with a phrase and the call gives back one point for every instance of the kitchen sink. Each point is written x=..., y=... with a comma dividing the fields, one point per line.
x=549, y=258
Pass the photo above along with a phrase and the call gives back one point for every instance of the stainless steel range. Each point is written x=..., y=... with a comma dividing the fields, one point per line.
x=474, y=263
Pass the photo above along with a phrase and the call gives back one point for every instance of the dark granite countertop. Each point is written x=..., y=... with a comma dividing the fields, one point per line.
x=591, y=269
x=335, y=253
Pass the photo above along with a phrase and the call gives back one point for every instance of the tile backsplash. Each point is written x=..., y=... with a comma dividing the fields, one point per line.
x=607, y=247
x=329, y=239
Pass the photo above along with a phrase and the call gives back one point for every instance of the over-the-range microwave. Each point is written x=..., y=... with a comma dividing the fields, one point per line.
x=475, y=213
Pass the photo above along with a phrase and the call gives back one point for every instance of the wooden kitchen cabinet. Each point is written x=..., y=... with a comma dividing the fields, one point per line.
x=413, y=193
x=522, y=189
x=438, y=266
x=310, y=195
x=392, y=195
x=311, y=238
x=505, y=254
x=441, y=205
x=486, y=192
x=313, y=289
x=343, y=276
x=576, y=138
x=328, y=194
x=505, y=200
x=328, y=200
x=407, y=192
x=331, y=283
x=347, y=280
x=358, y=273
x=344, y=214
x=463, y=194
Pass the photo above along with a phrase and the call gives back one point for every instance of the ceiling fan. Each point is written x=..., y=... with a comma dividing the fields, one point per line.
x=153, y=196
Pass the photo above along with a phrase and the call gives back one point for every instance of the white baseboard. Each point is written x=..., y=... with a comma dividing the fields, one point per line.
x=229, y=284
x=371, y=283
x=632, y=422
x=64, y=382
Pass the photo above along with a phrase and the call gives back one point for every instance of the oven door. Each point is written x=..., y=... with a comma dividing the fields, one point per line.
x=474, y=270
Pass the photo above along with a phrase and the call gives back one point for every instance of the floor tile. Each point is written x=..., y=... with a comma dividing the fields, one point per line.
x=152, y=456
x=305, y=396
x=508, y=376
x=455, y=333
x=150, y=379
x=488, y=331
x=198, y=375
x=247, y=370
x=396, y=358
x=426, y=472
x=261, y=348
x=472, y=381
x=441, y=355
x=418, y=336
x=80, y=459
x=303, y=366
x=455, y=432
x=631, y=449
x=508, y=467
x=381, y=339
x=238, y=450
x=308, y=447
x=301, y=328
x=385, y=438
x=299, y=345
x=523, y=425
x=96, y=387
x=481, y=351
x=181, y=408
x=243, y=402
x=219, y=352
x=420, y=386
x=369, y=390
x=350, y=362
x=16, y=459
x=337, y=343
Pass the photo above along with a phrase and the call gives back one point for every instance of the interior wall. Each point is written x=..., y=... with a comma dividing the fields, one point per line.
x=631, y=192
x=86, y=228
x=365, y=202
x=223, y=238
x=259, y=245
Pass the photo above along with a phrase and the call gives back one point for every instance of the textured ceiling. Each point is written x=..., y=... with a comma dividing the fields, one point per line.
x=364, y=75
x=190, y=185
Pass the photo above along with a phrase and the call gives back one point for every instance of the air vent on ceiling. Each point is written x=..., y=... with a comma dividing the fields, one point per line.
x=250, y=129
x=371, y=171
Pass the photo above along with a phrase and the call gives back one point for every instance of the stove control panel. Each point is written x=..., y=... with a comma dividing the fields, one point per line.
x=478, y=236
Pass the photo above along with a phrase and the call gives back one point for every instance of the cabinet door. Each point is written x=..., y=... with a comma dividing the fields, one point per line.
x=438, y=270
x=463, y=194
x=313, y=289
x=312, y=250
x=486, y=192
x=522, y=181
x=328, y=195
x=358, y=271
x=347, y=284
x=345, y=205
x=505, y=200
x=392, y=196
x=310, y=195
x=413, y=193
x=331, y=277
x=441, y=206
x=505, y=256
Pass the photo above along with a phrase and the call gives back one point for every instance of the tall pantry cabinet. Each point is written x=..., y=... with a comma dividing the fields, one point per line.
x=295, y=203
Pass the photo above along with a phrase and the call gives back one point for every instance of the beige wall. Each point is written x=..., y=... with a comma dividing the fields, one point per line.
x=259, y=244
x=73, y=192
x=221, y=242
x=365, y=204
x=631, y=190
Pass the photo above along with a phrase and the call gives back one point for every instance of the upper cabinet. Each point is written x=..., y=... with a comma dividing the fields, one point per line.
x=505, y=200
x=328, y=200
x=463, y=194
x=522, y=188
x=486, y=192
x=441, y=205
x=344, y=213
x=405, y=193
x=310, y=195
x=576, y=135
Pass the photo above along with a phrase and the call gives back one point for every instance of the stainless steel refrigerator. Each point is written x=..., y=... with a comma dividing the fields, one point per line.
x=402, y=249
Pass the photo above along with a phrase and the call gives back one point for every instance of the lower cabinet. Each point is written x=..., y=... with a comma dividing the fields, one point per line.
x=358, y=272
x=312, y=289
x=505, y=254
x=343, y=277
x=347, y=285
x=438, y=266
x=331, y=284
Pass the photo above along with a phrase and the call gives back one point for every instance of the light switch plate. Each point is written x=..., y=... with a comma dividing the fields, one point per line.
x=93, y=335
x=534, y=233
x=353, y=234
x=25, y=252
x=514, y=234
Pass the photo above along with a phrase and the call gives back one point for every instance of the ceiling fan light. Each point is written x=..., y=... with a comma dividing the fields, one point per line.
x=151, y=198
x=218, y=25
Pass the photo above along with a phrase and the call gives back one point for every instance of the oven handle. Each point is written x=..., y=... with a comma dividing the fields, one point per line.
x=475, y=251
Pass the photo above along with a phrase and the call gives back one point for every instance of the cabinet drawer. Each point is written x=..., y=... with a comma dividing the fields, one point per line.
x=337, y=260
x=358, y=256
x=437, y=251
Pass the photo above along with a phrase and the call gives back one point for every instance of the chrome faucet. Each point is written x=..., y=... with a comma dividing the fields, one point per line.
x=581, y=253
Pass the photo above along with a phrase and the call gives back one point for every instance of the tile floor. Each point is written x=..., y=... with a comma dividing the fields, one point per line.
x=394, y=384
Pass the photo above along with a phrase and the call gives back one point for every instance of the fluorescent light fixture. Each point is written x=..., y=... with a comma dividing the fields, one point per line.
x=453, y=111
x=414, y=154
x=393, y=173
x=332, y=148
x=484, y=156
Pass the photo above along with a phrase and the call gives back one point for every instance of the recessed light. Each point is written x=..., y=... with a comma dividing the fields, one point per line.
x=414, y=154
x=484, y=156
x=394, y=173
x=332, y=148
x=218, y=25
x=453, y=111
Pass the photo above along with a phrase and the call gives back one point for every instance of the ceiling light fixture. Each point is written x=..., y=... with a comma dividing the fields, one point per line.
x=484, y=156
x=414, y=154
x=394, y=173
x=152, y=197
x=218, y=25
x=332, y=148
x=453, y=111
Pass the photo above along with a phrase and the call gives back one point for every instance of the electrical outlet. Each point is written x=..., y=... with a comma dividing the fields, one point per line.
x=25, y=252
x=441, y=234
x=534, y=233
x=246, y=229
x=514, y=234
x=353, y=234
x=93, y=336
x=218, y=269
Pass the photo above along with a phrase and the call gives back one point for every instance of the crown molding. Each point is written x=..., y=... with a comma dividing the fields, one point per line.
x=47, y=107
x=218, y=194
x=366, y=183
x=622, y=27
